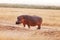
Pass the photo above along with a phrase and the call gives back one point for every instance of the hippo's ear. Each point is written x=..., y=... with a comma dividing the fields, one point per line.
x=18, y=17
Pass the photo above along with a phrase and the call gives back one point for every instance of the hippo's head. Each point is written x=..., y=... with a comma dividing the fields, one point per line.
x=20, y=19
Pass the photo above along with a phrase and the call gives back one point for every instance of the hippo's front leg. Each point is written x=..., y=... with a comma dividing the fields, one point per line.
x=24, y=24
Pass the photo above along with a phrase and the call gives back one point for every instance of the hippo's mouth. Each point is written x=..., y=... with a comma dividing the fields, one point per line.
x=17, y=23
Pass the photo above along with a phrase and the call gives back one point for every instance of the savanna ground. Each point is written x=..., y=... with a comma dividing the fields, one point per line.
x=50, y=29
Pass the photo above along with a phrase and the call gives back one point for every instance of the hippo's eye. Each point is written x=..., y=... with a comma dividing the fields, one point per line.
x=19, y=19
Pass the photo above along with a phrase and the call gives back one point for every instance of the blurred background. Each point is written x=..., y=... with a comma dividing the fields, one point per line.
x=40, y=4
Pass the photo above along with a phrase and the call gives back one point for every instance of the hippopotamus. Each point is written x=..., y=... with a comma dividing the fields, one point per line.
x=29, y=20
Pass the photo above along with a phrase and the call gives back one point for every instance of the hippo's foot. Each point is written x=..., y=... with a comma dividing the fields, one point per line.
x=39, y=28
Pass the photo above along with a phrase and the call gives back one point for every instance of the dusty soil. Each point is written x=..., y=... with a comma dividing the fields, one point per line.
x=21, y=33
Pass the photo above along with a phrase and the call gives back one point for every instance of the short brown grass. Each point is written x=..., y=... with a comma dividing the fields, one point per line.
x=50, y=17
x=10, y=31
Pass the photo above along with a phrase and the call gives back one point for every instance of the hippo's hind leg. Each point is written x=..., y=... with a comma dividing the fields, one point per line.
x=28, y=25
x=39, y=27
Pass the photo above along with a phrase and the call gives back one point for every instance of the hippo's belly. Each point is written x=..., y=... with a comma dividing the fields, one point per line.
x=32, y=24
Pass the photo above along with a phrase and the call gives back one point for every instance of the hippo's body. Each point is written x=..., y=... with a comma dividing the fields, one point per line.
x=29, y=20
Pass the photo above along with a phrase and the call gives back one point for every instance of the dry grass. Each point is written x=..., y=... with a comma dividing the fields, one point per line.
x=10, y=31
x=50, y=17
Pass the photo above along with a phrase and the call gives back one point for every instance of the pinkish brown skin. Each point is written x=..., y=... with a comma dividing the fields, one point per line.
x=29, y=20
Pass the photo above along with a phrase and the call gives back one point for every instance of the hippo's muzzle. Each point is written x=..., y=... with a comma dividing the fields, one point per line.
x=17, y=22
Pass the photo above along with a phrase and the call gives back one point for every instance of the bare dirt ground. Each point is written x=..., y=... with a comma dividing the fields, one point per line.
x=50, y=29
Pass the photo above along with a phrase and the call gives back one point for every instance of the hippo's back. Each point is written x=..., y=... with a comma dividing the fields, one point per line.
x=36, y=18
